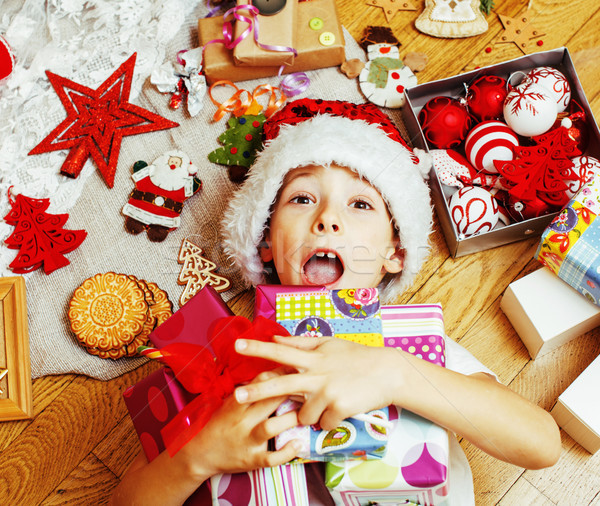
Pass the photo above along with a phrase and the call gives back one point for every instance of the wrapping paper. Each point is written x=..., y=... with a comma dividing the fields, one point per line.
x=312, y=54
x=152, y=403
x=570, y=245
x=191, y=322
x=415, y=468
x=416, y=329
x=353, y=314
x=266, y=297
x=270, y=486
x=274, y=30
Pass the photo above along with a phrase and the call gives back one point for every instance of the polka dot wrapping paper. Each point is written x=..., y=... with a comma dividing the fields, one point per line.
x=570, y=245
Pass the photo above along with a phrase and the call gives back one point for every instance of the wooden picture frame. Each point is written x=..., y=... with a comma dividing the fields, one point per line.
x=16, y=397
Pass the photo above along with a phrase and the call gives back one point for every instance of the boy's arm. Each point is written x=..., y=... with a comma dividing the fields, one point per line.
x=340, y=379
x=234, y=440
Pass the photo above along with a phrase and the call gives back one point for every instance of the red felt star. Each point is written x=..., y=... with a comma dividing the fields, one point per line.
x=96, y=122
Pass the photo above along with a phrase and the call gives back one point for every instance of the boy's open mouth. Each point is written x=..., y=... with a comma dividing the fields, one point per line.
x=323, y=267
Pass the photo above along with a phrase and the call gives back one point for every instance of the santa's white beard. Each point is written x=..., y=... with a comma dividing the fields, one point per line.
x=169, y=179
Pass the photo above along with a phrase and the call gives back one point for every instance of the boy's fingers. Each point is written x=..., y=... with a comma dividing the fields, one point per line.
x=276, y=425
x=287, y=453
x=280, y=353
x=310, y=412
x=302, y=343
x=287, y=385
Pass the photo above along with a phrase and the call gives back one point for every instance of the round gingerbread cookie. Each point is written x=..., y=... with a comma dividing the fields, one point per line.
x=162, y=308
x=107, y=311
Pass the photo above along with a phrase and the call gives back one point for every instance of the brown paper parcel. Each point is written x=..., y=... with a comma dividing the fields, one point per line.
x=276, y=30
x=219, y=63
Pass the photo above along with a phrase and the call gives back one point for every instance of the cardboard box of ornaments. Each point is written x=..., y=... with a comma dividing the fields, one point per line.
x=454, y=87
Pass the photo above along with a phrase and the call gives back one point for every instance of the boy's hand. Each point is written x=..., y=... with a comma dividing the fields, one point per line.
x=235, y=439
x=337, y=378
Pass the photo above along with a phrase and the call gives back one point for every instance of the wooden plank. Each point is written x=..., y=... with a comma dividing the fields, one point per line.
x=523, y=492
x=120, y=446
x=45, y=453
x=91, y=482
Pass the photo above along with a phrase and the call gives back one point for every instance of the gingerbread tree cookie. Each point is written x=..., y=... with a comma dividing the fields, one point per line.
x=197, y=272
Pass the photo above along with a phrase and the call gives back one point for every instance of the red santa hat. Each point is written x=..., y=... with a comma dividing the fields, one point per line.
x=319, y=132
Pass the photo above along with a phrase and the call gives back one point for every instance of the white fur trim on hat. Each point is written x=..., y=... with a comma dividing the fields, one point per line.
x=351, y=143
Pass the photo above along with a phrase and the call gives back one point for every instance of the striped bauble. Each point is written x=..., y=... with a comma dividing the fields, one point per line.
x=489, y=141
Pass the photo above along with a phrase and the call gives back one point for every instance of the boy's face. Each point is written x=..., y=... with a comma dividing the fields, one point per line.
x=331, y=228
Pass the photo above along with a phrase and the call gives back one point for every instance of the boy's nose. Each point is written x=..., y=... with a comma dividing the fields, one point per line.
x=327, y=221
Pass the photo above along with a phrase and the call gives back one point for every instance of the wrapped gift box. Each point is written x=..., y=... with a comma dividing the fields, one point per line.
x=570, y=245
x=531, y=303
x=318, y=47
x=191, y=322
x=274, y=30
x=266, y=297
x=419, y=95
x=576, y=411
x=416, y=329
x=353, y=314
x=415, y=468
x=270, y=486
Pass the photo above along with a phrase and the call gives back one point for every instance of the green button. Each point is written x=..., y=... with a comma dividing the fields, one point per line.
x=316, y=23
x=327, y=38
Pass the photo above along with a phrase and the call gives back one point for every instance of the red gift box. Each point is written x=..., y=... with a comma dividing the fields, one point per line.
x=266, y=295
x=190, y=324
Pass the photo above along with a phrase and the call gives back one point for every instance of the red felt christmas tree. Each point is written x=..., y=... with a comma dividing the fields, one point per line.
x=96, y=122
x=39, y=236
x=540, y=170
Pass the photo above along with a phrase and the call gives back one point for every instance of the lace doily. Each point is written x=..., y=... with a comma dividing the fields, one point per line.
x=55, y=35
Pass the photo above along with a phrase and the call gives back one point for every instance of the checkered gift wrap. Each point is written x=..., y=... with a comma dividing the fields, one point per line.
x=352, y=314
x=570, y=245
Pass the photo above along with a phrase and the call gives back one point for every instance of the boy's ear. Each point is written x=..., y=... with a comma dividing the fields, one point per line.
x=265, y=251
x=394, y=262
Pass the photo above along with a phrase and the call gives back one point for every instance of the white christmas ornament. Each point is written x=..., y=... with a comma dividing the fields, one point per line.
x=530, y=110
x=489, y=141
x=584, y=167
x=473, y=210
x=554, y=81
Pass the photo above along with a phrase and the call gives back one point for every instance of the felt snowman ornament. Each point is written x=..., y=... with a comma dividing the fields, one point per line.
x=384, y=77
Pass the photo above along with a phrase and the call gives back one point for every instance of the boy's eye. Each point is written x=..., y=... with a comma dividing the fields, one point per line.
x=300, y=199
x=361, y=204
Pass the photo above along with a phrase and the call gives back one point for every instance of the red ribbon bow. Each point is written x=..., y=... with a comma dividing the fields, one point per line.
x=213, y=378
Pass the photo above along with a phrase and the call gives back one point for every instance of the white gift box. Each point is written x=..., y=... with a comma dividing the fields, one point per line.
x=577, y=410
x=546, y=312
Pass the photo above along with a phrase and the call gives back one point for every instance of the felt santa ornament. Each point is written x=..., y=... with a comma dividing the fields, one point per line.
x=321, y=132
x=160, y=191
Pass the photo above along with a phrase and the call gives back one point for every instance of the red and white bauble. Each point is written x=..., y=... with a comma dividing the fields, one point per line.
x=530, y=110
x=584, y=168
x=489, y=141
x=473, y=210
x=554, y=81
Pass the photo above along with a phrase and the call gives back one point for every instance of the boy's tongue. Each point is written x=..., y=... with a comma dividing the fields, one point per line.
x=323, y=270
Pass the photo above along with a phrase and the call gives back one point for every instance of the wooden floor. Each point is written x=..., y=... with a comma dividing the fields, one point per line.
x=81, y=439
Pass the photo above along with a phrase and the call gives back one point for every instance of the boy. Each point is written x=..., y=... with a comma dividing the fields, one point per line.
x=337, y=199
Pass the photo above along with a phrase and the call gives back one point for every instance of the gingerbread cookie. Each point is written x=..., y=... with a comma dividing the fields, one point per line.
x=113, y=314
x=107, y=311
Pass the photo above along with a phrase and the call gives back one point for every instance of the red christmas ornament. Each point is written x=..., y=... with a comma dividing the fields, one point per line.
x=39, y=236
x=485, y=98
x=7, y=59
x=520, y=210
x=96, y=122
x=541, y=170
x=445, y=122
